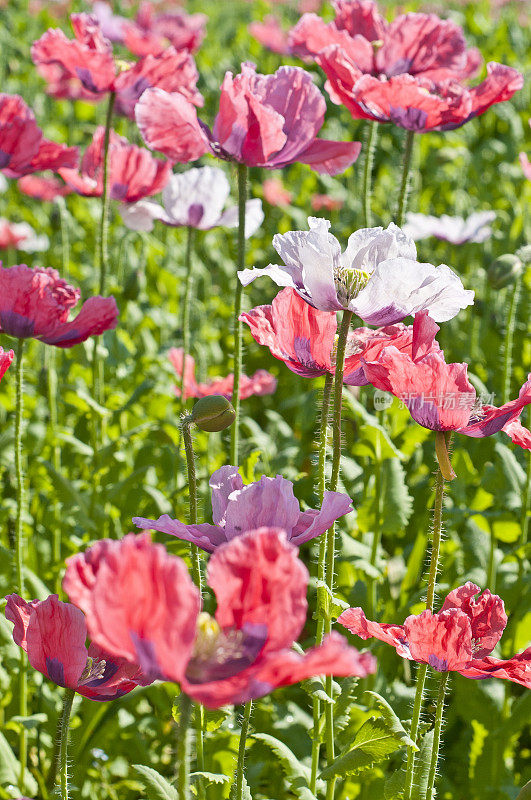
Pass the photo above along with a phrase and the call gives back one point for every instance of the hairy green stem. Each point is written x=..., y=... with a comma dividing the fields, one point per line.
x=377, y=533
x=437, y=734
x=186, y=307
x=508, y=341
x=65, y=238
x=235, y=429
x=63, y=746
x=240, y=765
x=370, y=147
x=50, y=357
x=183, y=749
x=405, y=183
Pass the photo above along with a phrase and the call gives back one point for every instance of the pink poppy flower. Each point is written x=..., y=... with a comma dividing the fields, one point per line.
x=43, y=188
x=237, y=508
x=261, y=383
x=6, y=357
x=440, y=397
x=151, y=33
x=456, y=230
x=84, y=67
x=53, y=634
x=270, y=34
x=275, y=193
x=23, y=149
x=141, y=604
x=305, y=338
x=21, y=236
x=133, y=173
x=35, y=303
x=263, y=121
x=327, y=202
x=458, y=638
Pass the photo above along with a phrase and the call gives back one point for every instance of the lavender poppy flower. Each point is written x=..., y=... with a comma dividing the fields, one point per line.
x=455, y=230
x=195, y=198
x=377, y=277
x=237, y=508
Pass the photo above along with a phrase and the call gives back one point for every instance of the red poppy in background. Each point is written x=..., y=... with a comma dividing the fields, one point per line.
x=151, y=33
x=133, y=173
x=42, y=187
x=53, y=634
x=458, y=638
x=263, y=121
x=262, y=382
x=6, y=357
x=84, y=67
x=23, y=148
x=270, y=34
x=35, y=303
x=141, y=604
x=275, y=193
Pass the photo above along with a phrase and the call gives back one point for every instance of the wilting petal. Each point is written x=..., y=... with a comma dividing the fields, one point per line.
x=168, y=123
x=487, y=616
x=492, y=419
x=355, y=621
x=443, y=640
x=208, y=537
x=518, y=434
x=258, y=579
x=516, y=669
x=499, y=85
x=97, y=315
x=314, y=522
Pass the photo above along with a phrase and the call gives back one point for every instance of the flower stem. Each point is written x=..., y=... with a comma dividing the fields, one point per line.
x=63, y=746
x=242, y=198
x=56, y=452
x=186, y=307
x=330, y=536
x=370, y=146
x=183, y=749
x=508, y=341
x=437, y=734
x=415, y=719
x=238, y=778
x=377, y=533
x=19, y=549
x=321, y=565
x=405, y=183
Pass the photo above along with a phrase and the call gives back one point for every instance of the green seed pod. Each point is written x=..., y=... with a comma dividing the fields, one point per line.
x=213, y=413
x=504, y=271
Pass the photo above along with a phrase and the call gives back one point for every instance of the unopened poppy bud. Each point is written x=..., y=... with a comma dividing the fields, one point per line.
x=504, y=271
x=213, y=413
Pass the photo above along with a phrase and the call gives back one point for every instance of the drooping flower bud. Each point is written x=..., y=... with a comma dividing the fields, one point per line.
x=504, y=271
x=213, y=413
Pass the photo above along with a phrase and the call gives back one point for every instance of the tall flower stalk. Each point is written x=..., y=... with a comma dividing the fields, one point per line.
x=370, y=147
x=186, y=307
x=63, y=743
x=242, y=197
x=443, y=682
x=240, y=764
x=405, y=183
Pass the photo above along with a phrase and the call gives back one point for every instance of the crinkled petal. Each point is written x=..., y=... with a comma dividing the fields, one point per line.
x=269, y=502
x=223, y=482
x=492, y=419
x=168, y=123
x=97, y=315
x=487, y=615
x=313, y=523
x=443, y=640
x=516, y=669
x=355, y=621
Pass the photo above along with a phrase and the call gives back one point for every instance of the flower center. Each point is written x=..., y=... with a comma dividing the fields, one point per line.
x=94, y=671
x=221, y=653
x=349, y=283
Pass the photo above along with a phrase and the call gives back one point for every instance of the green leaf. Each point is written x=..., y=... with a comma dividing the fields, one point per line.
x=397, y=502
x=393, y=722
x=422, y=769
x=211, y=777
x=10, y=768
x=160, y=788
x=297, y=774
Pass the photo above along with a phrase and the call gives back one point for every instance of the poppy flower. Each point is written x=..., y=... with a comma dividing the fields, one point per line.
x=409, y=72
x=42, y=187
x=194, y=199
x=270, y=34
x=84, y=67
x=456, y=230
x=458, y=638
x=151, y=33
x=261, y=383
x=23, y=148
x=21, y=236
x=326, y=201
x=377, y=277
x=6, y=357
x=305, y=338
x=35, y=303
x=141, y=604
x=275, y=193
x=133, y=173
x=53, y=634
x=237, y=508
x=265, y=121
x=440, y=397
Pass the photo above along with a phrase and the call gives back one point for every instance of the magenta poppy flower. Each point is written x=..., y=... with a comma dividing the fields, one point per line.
x=84, y=67
x=458, y=638
x=42, y=187
x=23, y=148
x=6, y=357
x=265, y=121
x=440, y=397
x=237, y=508
x=35, y=303
x=409, y=72
x=152, y=32
x=261, y=383
x=270, y=34
x=53, y=634
x=133, y=173
x=141, y=604
x=305, y=338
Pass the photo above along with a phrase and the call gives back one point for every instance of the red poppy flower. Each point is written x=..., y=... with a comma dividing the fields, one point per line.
x=262, y=382
x=151, y=32
x=84, y=67
x=142, y=605
x=35, y=303
x=270, y=34
x=458, y=638
x=43, y=188
x=6, y=357
x=409, y=72
x=304, y=338
x=53, y=634
x=275, y=193
x=23, y=148
x=133, y=173
x=263, y=121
